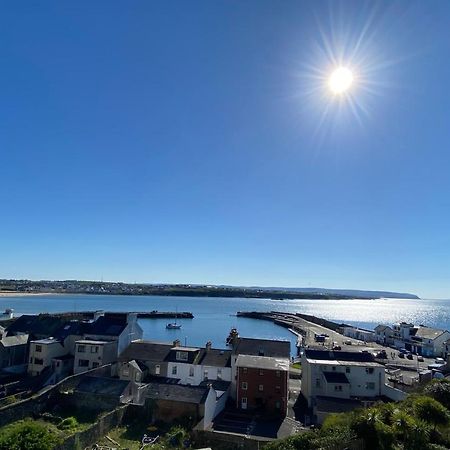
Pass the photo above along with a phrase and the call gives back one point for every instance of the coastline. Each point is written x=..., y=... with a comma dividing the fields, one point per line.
x=26, y=294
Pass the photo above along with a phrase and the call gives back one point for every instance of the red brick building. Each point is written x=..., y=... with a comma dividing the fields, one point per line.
x=262, y=384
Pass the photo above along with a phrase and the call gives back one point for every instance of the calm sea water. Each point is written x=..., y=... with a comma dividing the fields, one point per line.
x=215, y=316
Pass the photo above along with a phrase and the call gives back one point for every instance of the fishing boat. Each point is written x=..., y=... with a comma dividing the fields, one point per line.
x=174, y=325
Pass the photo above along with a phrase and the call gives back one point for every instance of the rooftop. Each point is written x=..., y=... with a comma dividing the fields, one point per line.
x=328, y=355
x=146, y=351
x=111, y=387
x=262, y=347
x=428, y=333
x=263, y=362
x=10, y=341
x=177, y=393
x=216, y=358
x=94, y=342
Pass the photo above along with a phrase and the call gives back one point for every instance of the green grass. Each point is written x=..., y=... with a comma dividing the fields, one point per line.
x=296, y=365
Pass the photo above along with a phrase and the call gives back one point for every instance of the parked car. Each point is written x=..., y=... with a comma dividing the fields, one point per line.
x=348, y=342
x=337, y=347
x=439, y=361
x=382, y=354
x=420, y=358
x=401, y=355
x=409, y=356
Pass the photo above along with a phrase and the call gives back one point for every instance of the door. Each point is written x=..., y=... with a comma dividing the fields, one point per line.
x=244, y=403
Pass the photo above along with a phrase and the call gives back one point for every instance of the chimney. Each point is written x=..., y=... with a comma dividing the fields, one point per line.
x=98, y=314
x=208, y=346
x=176, y=343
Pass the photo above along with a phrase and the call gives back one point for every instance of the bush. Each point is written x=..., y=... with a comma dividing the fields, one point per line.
x=68, y=423
x=27, y=435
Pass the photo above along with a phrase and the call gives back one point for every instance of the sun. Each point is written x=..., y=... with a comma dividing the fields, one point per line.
x=340, y=80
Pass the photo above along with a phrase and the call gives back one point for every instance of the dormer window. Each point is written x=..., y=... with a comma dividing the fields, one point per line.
x=182, y=356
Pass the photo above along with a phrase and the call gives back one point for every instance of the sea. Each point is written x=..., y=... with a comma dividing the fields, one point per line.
x=214, y=317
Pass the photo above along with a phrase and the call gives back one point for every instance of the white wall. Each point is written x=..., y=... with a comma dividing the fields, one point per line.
x=47, y=353
x=183, y=373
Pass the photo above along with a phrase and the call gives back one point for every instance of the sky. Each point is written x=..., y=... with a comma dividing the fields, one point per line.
x=198, y=142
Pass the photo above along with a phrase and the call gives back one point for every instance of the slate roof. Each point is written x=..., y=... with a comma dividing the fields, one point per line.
x=327, y=355
x=262, y=347
x=215, y=357
x=110, y=387
x=146, y=351
x=177, y=393
x=336, y=405
x=218, y=385
x=35, y=325
x=108, y=325
x=428, y=333
x=10, y=341
x=336, y=377
x=192, y=355
x=263, y=362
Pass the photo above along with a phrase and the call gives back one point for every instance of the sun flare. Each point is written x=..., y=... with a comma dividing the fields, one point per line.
x=341, y=80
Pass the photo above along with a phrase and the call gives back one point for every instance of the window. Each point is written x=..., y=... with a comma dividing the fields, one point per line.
x=157, y=369
x=83, y=363
x=334, y=368
x=125, y=371
x=95, y=364
x=370, y=385
x=38, y=361
x=137, y=377
x=278, y=374
x=338, y=388
x=261, y=388
x=317, y=382
x=174, y=370
x=219, y=374
x=182, y=356
x=347, y=369
x=191, y=371
x=38, y=348
x=277, y=389
x=81, y=348
x=205, y=375
x=94, y=349
x=31, y=360
x=244, y=386
x=244, y=370
x=261, y=372
x=369, y=369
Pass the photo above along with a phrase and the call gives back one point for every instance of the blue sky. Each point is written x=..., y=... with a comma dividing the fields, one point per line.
x=197, y=142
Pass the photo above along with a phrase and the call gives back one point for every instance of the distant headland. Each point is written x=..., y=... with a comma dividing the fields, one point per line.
x=17, y=287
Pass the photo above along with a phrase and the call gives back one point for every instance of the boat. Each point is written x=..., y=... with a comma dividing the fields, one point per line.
x=173, y=326
x=7, y=314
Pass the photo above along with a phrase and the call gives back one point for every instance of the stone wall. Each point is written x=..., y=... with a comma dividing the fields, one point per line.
x=38, y=402
x=227, y=441
x=96, y=431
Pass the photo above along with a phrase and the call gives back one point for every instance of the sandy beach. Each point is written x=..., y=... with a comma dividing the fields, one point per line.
x=25, y=294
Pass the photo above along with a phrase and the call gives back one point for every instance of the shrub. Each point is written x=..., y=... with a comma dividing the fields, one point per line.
x=27, y=435
x=69, y=423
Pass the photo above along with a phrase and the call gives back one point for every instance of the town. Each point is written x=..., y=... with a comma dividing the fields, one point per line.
x=55, y=367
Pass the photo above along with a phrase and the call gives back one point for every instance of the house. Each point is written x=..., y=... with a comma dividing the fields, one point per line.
x=343, y=375
x=425, y=341
x=102, y=393
x=13, y=350
x=120, y=327
x=359, y=333
x=37, y=326
x=255, y=347
x=133, y=371
x=192, y=365
x=151, y=353
x=168, y=402
x=90, y=354
x=384, y=335
x=262, y=384
x=428, y=341
x=42, y=352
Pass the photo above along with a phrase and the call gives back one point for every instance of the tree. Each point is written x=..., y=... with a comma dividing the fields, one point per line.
x=440, y=391
x=431, y=411
x=27, y=435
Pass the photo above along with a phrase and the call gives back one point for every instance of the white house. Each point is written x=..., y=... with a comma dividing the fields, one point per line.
x=428, y=341
x=336, y=376
x=359, y=333
x=42, y=352
x=384, y=335
x=90, y=354
x=192, y=365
